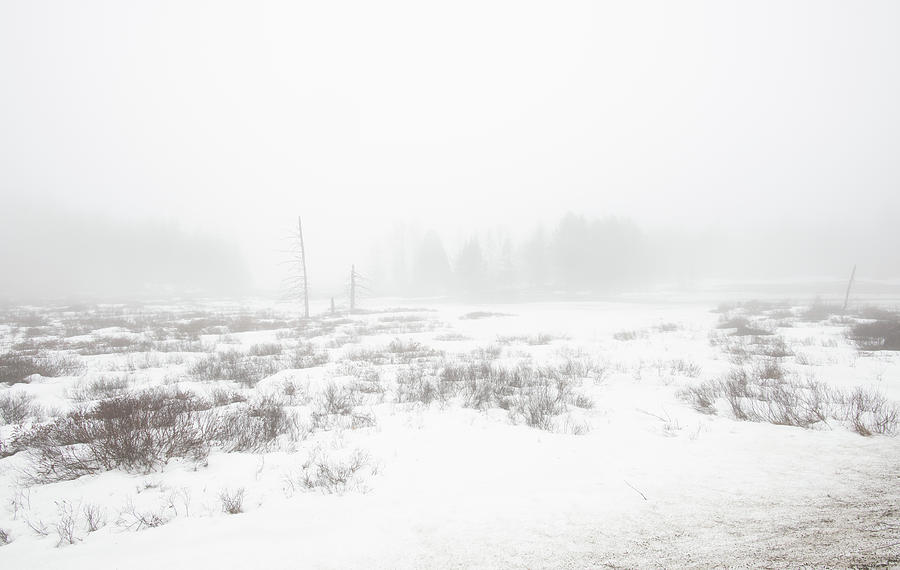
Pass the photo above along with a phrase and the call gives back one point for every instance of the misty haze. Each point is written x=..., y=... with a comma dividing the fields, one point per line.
x=476, y=284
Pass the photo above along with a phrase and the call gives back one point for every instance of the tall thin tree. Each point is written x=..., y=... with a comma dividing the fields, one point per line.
x=849, y=285
x=296, y=284
x=357, y=286
x=303, y=269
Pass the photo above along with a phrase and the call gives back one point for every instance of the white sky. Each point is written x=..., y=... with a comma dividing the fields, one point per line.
x=234, y=117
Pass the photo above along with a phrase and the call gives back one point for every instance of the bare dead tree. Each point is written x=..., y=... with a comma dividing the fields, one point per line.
x=296, y=283
x=849, y=285
x=358, y=284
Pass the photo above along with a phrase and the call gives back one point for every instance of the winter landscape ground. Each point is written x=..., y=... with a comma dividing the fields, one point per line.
x=657, y=432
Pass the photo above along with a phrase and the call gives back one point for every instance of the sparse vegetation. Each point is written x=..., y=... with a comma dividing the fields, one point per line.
x=232, y=501
x=234, y=366
x=133, y=432
x=331, y=474
x=877, y=335
x=16, y=368
x=16, y=407
x=765, y=393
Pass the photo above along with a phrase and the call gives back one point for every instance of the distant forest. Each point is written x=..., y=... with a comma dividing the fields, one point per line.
x=580, y=255
x=577, y=255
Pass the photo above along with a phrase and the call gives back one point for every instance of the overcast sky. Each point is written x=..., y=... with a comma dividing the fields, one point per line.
x=233, y=117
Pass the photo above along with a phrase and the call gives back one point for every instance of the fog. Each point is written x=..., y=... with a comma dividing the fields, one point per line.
x=472, y=148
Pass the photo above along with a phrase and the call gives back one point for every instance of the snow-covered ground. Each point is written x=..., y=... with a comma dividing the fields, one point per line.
x=622, y=468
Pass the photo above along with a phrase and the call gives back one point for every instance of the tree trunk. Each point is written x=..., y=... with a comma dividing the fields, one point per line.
x=303, y=265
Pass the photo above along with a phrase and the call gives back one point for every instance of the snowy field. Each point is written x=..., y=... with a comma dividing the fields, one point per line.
x=560, y=435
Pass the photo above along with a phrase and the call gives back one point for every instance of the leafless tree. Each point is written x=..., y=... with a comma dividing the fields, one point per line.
x=358, y=285
x=297, y=284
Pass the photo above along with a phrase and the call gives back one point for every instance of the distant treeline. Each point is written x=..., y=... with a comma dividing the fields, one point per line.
x=577, y=255
x=581, y=255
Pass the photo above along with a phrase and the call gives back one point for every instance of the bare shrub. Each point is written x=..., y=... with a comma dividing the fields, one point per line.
x=450, y=337
x=755, y=397
x=370, y=355
x=133, y=432
x=223, y=397
x=744, y=327
x=769, y=370
x=531, y=340
x=17, y=407
x=131, y=518
x=307, y=356
x=94, y=517
x=878, y=335
x=234, y=366
x=819, y=311
x=330, y=474
x=232, y=501
x=771, y=347
x=67, y=523
x=702, y=397
x=254, y=427
x=684, y=367
x=482, y=315
x=577, y=366
x=111, y=345
x=265, y=349
x=296, y=393
x=421, y=383
x=336, y=400
x=489, y=352
x=627, y=335
x=178, y=345
x=100, y=388
x=16, y=368
x=406, y=351
x=538, y=407
x=583, y=401
x=37, y=526
x=869, y=412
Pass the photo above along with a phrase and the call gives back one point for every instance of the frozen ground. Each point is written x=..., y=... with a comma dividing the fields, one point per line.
x=600, y=457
